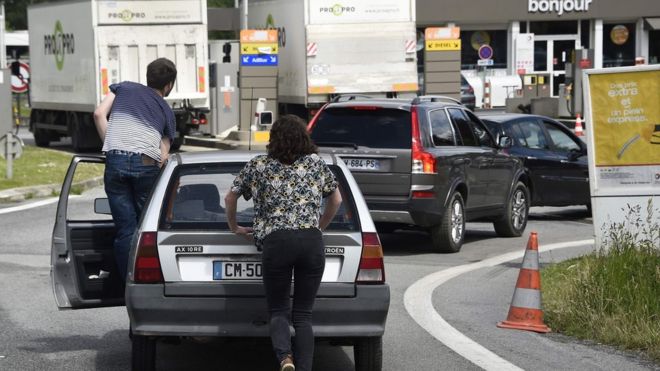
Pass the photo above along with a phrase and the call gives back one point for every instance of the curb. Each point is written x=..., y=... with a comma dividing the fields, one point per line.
x=48, y=190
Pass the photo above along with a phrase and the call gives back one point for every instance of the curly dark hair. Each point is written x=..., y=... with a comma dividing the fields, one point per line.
x=289, y=140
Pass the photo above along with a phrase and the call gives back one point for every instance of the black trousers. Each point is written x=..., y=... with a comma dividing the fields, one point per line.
x=299, y=253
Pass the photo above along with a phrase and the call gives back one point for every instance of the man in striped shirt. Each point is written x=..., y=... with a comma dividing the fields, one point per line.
x=136, y=141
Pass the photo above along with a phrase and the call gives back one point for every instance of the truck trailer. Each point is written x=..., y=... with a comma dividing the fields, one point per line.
x=79, y=48
x=328, y=49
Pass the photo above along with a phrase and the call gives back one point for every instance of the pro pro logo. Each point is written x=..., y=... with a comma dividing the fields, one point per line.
x=338, y=9
x=59, y=44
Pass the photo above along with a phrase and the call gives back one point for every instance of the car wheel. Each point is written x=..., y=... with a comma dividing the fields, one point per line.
x=143, y=353
x=449, y=234
x=514, y=221
x=368, y=354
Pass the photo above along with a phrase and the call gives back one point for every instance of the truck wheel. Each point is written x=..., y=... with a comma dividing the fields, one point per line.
x=41, y=138
x=95, y=144
x=514, y=221
x=77, y=135
x=143, y=353
x=176, y=143
x=368, y=354
x=448, y=236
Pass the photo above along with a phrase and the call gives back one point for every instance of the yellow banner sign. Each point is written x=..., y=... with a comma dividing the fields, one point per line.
x=251, y=48
x=443, y=45
x=626, y=118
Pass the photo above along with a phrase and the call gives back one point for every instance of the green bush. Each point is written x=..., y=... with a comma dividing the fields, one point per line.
x=612, y=295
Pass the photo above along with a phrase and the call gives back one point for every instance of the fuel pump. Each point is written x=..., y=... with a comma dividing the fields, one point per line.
x=571, y=94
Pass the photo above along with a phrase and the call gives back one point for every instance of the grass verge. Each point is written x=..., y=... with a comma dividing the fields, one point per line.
x=39, y=166
x=611, y=296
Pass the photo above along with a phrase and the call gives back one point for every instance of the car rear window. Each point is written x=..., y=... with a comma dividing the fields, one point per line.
x=196, y=200
x=367, y=126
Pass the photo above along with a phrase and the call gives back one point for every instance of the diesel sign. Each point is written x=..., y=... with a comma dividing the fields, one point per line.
x=558, y=6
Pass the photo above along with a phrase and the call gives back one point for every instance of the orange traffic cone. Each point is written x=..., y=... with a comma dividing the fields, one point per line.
x=525, y=312
x=578, y=126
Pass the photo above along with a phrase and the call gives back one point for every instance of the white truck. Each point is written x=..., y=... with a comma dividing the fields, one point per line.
x=79, y=48
x=329, y=48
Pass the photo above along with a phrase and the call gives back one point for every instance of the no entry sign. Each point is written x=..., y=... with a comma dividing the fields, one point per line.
x=19, y=84
x=485, y=51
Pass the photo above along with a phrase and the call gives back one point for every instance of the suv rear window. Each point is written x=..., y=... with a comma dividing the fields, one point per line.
x=196, y=200
x=363, y=126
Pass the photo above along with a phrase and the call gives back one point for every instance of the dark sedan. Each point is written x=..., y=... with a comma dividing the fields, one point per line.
x=554, y=158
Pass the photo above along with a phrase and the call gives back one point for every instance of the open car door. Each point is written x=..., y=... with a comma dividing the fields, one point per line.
x=82, y=264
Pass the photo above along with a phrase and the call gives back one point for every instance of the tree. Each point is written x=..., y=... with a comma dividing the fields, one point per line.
x=220, y=3
x=16, y=13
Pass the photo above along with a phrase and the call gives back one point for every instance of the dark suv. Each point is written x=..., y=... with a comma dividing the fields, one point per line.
x=428, y=162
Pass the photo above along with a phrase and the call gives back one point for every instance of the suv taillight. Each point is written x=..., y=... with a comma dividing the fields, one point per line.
x=422, y=162
x=372, y=266
x=316, y=114
x=147, y=263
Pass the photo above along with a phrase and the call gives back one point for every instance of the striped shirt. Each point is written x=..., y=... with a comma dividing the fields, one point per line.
x=139, y=119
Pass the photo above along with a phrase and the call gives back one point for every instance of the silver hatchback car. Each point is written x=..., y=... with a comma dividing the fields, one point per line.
x=189, y=275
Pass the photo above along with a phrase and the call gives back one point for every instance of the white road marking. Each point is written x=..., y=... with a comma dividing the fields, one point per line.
x=419, y=304
x=31, y=205
x=27, y=260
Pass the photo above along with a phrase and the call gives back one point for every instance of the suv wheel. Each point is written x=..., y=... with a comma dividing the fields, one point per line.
x=368, y=354
x=143, y=353
x=449, y=234
x=514, y=221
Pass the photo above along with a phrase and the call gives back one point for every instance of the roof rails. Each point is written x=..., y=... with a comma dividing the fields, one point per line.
x=434, y=98
x=347, y=97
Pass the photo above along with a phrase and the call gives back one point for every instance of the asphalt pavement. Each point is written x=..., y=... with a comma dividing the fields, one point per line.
x=36, y=336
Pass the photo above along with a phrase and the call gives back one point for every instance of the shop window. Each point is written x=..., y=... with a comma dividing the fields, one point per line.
x=554, y=28
x=471, y=41
x=523, y=27
x=585, y=34
x=540, y=56
x=619, y=45
x=654, y=47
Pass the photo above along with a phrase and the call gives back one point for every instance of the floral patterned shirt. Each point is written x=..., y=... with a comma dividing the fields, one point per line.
x=285, y=196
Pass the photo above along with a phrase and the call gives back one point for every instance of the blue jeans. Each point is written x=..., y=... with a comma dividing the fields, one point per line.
x=302, y=253
x=128, y=183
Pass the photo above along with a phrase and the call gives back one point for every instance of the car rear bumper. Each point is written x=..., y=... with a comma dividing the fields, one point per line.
x=154, y=314
x=422, y=212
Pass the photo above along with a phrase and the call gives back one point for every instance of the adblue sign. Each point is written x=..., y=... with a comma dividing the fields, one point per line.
x=558, y=6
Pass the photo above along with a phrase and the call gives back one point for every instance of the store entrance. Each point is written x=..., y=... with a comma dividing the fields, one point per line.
x=551, y=53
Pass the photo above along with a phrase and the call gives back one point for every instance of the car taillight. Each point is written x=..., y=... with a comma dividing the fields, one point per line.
x=202, y=119
x=194, y=121
x=372, y=266
x=422, y=162
x=147, y=263
x=315, y=117
x=423, y=194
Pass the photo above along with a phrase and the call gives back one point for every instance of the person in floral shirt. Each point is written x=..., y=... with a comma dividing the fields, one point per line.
x=287, y=187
